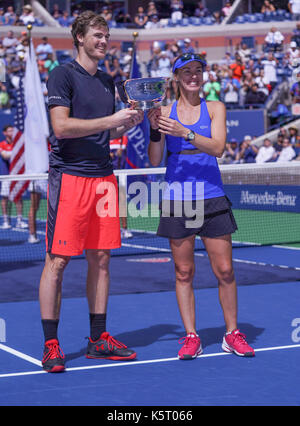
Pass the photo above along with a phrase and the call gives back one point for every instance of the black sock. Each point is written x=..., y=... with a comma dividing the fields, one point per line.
x=97, y=325
x=50, y=329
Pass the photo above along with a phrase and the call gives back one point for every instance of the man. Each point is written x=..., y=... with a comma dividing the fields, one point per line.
x=287, y=153
x=247, y=151
x=294, y=8
x=81, y=184
x=6, y=147
x=254, y=96
x=265, y=152
x=44, y=49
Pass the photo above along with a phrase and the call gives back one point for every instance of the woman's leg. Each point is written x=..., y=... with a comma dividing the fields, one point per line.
x=219, y=251
x=183, y=255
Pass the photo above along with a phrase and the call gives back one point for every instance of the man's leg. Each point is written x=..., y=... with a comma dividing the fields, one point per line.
x=97, y=288
x=101, y=344
x=50, y=302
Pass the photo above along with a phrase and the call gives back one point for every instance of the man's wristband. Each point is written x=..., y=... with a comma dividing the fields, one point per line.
x=155, y=135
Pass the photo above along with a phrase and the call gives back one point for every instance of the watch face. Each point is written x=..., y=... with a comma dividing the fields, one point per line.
x=191, y=136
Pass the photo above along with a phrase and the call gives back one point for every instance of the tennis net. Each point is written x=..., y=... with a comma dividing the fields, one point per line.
x=265, y=200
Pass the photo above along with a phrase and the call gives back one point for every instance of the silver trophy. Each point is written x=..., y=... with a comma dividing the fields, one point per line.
x=143, y=93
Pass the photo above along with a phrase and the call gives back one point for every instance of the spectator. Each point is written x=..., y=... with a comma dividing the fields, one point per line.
x=261, y=81
x=270, y=69
x=43, y=49
x=201, y=11
x=27, y=16
x=226, y=9
x=50, y=63
x=118, y=155
x=140, y=18
x=237, y=67
x=247, y=151
x=116, y=71
x=164, y=65
x=176, y=7
x=295, y=92
x=245, y=53
x=287, y=153
x=267, y=7
x=126, y=61
x=294, y=8
x=274, y=40
x=10, y=16
x=296, y=34
x=227, y=60
x=56, y=10
x=265, y=152
x=293, y=54
x=153, y=63
x=187, y=47
x=212, y=88
x=293, y=135
x=123, y=18
x=2, y=17
x=74, y=15
x=5, y=152
x=231, y=152
x=153, y=22
x=254, y=96
x=9, y=43
x=231, y=87
x=4, y=97
x=151, y=10
x=23, y=47
x=106, y=14
x=108, y=61
x=64, y=20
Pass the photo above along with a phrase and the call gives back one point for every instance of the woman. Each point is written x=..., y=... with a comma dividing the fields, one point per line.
x=195, y=134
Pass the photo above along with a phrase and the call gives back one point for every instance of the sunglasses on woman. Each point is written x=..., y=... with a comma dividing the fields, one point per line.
x=186, y=58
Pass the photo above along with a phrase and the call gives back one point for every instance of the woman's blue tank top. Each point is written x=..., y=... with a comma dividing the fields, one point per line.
x=197, y=175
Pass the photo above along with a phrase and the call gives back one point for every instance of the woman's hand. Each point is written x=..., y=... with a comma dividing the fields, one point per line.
x=153, y=116
x=168, y=126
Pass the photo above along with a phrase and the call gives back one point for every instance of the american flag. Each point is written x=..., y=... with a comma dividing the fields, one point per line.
x=17, y=159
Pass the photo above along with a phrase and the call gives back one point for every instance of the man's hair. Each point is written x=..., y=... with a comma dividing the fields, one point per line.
x=7, y=126
x=83, y=22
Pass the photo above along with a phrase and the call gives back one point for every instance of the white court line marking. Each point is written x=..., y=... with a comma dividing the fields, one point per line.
x=20, y=355
x=132, y=363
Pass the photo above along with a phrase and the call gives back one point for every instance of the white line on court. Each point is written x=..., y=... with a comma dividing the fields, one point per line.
x=122, y=364
x=20, y=355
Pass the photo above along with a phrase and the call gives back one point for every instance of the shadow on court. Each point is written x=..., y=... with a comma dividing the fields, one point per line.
x=161, y=333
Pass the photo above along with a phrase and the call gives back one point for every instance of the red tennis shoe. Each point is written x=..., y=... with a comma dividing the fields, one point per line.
x=191, y=347
x=236, y=342
x=54, y=358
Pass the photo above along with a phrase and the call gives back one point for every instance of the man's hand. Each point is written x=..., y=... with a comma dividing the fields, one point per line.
x=127, y=117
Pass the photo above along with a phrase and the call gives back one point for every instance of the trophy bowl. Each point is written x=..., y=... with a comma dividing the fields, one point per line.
x=143, y=93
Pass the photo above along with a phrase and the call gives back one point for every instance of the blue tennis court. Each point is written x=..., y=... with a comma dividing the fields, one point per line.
x=143, y=313
x=146, y=318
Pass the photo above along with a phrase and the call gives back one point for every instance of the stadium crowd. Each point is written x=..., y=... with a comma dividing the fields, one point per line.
x=243, y=78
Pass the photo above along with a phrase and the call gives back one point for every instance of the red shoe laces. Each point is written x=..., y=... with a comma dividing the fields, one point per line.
x=112, y=342
x=55, y=351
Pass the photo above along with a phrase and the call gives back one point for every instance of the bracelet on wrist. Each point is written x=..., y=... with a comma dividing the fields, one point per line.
x=155, y=135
